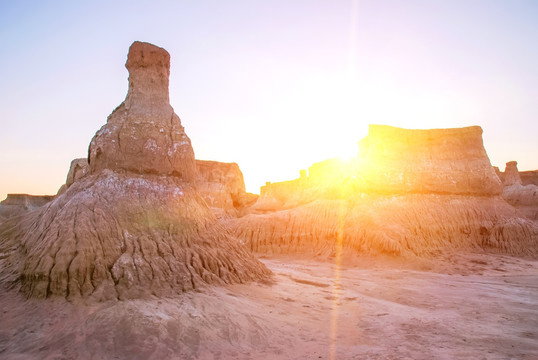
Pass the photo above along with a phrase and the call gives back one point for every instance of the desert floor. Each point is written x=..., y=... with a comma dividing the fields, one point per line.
x=460, y=307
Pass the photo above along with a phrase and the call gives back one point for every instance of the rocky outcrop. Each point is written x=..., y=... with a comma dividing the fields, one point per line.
x=279, y=195
x=522, y=197
x=136, y=225
x=154, y=142
x=395, y=161
x=529, y=177
x=78, y=169
x=222, y=187
x=442, y=161
x=409, y=193
x=511, y=174
x=329, y=179
x=16, y=204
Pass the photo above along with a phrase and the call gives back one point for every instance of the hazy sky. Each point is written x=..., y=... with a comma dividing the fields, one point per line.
x=272, y=85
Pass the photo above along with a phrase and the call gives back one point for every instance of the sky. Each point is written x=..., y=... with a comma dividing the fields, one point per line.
x=273, y=85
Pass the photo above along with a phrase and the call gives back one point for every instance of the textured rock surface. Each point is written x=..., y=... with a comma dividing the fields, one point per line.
x=395, y=161
x=78, y=169
x=522, y=197
x=154, y=142
x=222, y=186
x=511, y=174
x=529, y=177
x=444, y=161
x=16, y=204
x=117, y=235
x=406, y=225
x=410, y=193
x=136, y=226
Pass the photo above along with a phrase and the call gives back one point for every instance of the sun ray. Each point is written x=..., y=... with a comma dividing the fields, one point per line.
x=337, y=283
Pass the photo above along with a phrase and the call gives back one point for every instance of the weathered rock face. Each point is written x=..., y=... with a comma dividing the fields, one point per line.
x=16, y=204
x=222, y=186
x=511, y=174
x=154, y=142
x=136, y=225
x=78, y=169
x=395, y=161
x=119, y=236
x=529, y=177
x=410, y=193
x=443, y=161
x=281, y=195
x=522, y=197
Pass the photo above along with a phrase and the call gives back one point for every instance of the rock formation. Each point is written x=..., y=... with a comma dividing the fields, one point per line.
x=440, y=161
x=511, y=174
x=154, y=142
x=222, y=187
x=522, y=197
x=409, y=193
x=329, y=179
x=529, y=177
x=281, y=195
x=78, y=169
x=499, y=174
x=16, y=204
x=136, y=225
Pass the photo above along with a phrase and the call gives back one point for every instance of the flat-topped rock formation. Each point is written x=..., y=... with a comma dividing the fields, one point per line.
x=136, y=224
x=529, y=177
x=16, y=204
x=409, y=193
x=442, y=161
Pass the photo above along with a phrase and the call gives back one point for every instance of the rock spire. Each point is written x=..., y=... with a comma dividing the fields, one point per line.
x=144, y=135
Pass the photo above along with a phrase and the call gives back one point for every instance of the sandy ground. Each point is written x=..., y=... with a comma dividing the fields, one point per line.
x=473, y=307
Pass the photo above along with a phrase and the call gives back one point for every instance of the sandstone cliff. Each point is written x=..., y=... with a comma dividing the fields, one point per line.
x=409, y=193
x=441, y=161
x=135, y=225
